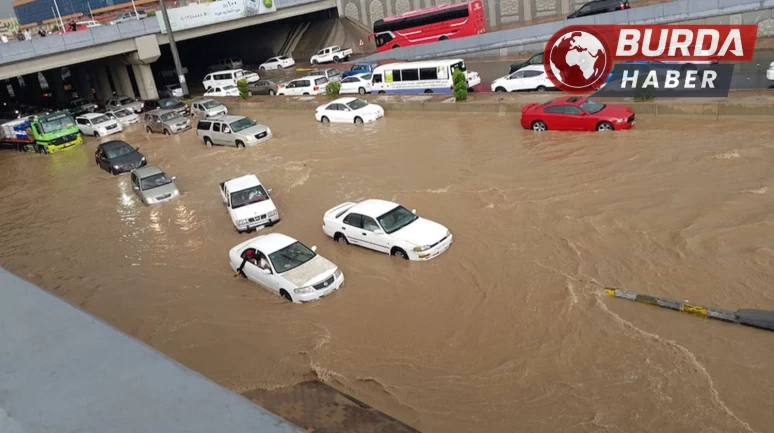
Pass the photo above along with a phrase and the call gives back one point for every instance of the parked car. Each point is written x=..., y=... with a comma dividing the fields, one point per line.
x=97, y=125
x=224, y=64
x=304, y=86
x=531, y=77
x=166, y=121
x=168, y=104
x=230, y=77
x=249, y=204
x=360, y=69
x=330, y=74
x=576, y=114
x=286, y=267
x=265, y=87
x=90, y=23
x=386, y=227
x=129, y=16
x=356, y=84
x=279, y=62
x=124, y=116
x=205, y=108
x=119, y=157
x=331, y=54
x=171, y=91
x=133, y=104
x=228, y=90
x=153, y=185
x=536, y=59
x=770, y=72
x=80, y=105
x=237, y=131
x=349, y=110
x=599, y=7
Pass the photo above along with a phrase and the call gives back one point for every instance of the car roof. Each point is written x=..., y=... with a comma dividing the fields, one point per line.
x=225, y=71
x=246, y=181
x=573, y=100
x=342, y=101
x=114, y=143
x=228, y=118
x=146, y=171
x=203, y=100
x=160, y=111
x=374, y=207
x=90, y=115
x=270, y=243
x=539, y=68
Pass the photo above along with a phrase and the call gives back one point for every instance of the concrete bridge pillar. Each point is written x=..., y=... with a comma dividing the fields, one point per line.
x=81, y=82
x=121, y=79
x=56, y=84
x=4, y=95
x=145, y=81
x=17, y=88
x=98, y=73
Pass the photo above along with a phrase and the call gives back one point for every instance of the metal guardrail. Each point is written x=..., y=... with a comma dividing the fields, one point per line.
x=681, y=10
x=15, y=51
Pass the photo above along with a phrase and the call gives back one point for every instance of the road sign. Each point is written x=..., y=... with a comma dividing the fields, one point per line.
x=361, y=43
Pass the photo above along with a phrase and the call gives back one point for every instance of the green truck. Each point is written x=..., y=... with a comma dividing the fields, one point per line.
x=44, y=133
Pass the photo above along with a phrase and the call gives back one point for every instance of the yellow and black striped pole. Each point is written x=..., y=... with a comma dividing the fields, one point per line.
x=762, y=319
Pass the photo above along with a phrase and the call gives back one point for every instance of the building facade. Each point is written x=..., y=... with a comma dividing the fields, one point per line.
x=37, y=11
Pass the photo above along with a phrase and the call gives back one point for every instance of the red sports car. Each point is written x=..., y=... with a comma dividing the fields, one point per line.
x=576, y=113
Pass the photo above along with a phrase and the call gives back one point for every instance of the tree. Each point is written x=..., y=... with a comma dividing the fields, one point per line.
x=460, y=85
x=332, y=88
x=244, y=92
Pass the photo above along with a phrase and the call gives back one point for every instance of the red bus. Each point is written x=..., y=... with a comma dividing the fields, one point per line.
x=437, y=23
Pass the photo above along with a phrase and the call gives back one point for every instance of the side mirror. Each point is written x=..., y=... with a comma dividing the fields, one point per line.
x=174, y=177
x=268, y=191
x=266, y=271
x=582, y=113
x=378, y=232
x=137, y=149
x=314, y=248
x=135, y=188
x=414, y=211
x=226, y=131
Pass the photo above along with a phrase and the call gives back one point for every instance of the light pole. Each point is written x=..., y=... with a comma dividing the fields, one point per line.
x=135, y=9
x=61, y=23
x=173, y=48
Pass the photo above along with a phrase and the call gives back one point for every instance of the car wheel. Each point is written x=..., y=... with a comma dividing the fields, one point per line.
x=271, y=93
x=262, y=69
x=340, y=238
x=500, y=89
x=148, y=130
x=96, y=134
x=239, y=144
x=166, y=132
x=381, y=92
x=395, y=46
x=207, y=141
x=399, y=253
x=541, y=88
x=285, y=295
x=113, y=172
x=605, y=126
x=539, y=125
x=361, y=91
x=428, y=91
x=325, y=119
x=336, y=60
x=443, y=38
x=314, y=62
x=305, y=93
x=358, y=120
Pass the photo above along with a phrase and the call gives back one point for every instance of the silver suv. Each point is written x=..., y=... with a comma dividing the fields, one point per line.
x=166, y=122
x=238, y=131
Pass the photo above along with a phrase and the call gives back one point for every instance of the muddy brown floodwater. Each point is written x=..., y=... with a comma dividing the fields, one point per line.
x=509, y=330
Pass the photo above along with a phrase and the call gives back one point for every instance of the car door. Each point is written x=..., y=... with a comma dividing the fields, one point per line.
x=373, y=236
x=303, y=86
x=102, y=159
x=290, y=89
x=269, y=281
x=158, y=125
x=339, y=112
x=574, y=118
x=217, y=134
x=516, y=81
x=349, y=85
x=553, y=116
x=351, y=227
x=531, y=81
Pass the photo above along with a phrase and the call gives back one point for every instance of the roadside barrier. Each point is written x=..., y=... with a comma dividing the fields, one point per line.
x=762, y=319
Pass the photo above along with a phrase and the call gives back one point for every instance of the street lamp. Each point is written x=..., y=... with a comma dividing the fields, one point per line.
x=135, y=9
x=173, y=48
x=61, y=23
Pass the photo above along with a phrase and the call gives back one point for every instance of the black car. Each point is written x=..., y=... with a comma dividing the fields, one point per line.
x=168, y=104
x=119, y=157
x=537, y=59
x=600, y=7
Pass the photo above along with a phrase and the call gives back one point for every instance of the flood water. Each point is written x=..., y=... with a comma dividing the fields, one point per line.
x=509, y=330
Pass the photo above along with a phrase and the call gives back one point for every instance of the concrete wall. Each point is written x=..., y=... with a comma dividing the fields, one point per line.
x=533, y=38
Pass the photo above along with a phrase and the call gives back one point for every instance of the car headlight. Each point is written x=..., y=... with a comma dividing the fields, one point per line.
x=338, y=274
x=143, y=159
x=116, y=167
x=272, y=213
x=620, y=120
x=150, y=200
x=302, y=290
x=248, y=138
x=241, y=222
x=422, y=248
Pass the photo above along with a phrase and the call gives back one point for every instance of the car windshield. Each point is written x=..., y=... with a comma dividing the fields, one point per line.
x=54, y=125
x=169, y=102
x=210, y=104
x=154, y=181
x=291, y=257
x=460, y=66
x=366, y=77
x=99, y=119
x=316, y=73
x=248, y=196
x=169, y=116
x=396, y=219
x=357, y=104
x=360, y=68
x=122, y=113
x=592, y=107
x=241, y=124
x=119, y=151
x=126, y=100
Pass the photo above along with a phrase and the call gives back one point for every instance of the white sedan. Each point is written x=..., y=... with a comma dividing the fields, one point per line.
x=124, y=116
x=228, y=90
x=348, y=110
x=286, y=267
x=532, y=77
x=279, y=62
x=356, y=84
x=97, y=124
x=386, y=227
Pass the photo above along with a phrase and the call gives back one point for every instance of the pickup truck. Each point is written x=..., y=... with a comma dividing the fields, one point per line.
x=331, y=54
x=248, y=203
x=360, y=68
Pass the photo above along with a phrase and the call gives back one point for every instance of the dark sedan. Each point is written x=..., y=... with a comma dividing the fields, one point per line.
x=168, y=104
x=265, y=87
x=537, y=59
x=119, y=157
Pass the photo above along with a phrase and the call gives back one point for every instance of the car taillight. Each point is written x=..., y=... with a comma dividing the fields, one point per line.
x=316, y=88
x=622, y=6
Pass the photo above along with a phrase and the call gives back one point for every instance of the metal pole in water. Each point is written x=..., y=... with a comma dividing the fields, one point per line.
x=762, y=319
x=173, y=48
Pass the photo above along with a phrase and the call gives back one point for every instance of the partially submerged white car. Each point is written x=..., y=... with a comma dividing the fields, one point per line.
x=125, y=116
x=286, y=267
x=97, y=124
x=248, y=203
x=348, y=110
x=386, y=227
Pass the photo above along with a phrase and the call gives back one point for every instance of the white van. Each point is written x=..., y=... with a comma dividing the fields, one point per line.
x=230, y=77
x=434, y=76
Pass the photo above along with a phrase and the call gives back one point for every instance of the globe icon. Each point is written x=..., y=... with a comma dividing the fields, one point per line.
x=578, y=61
